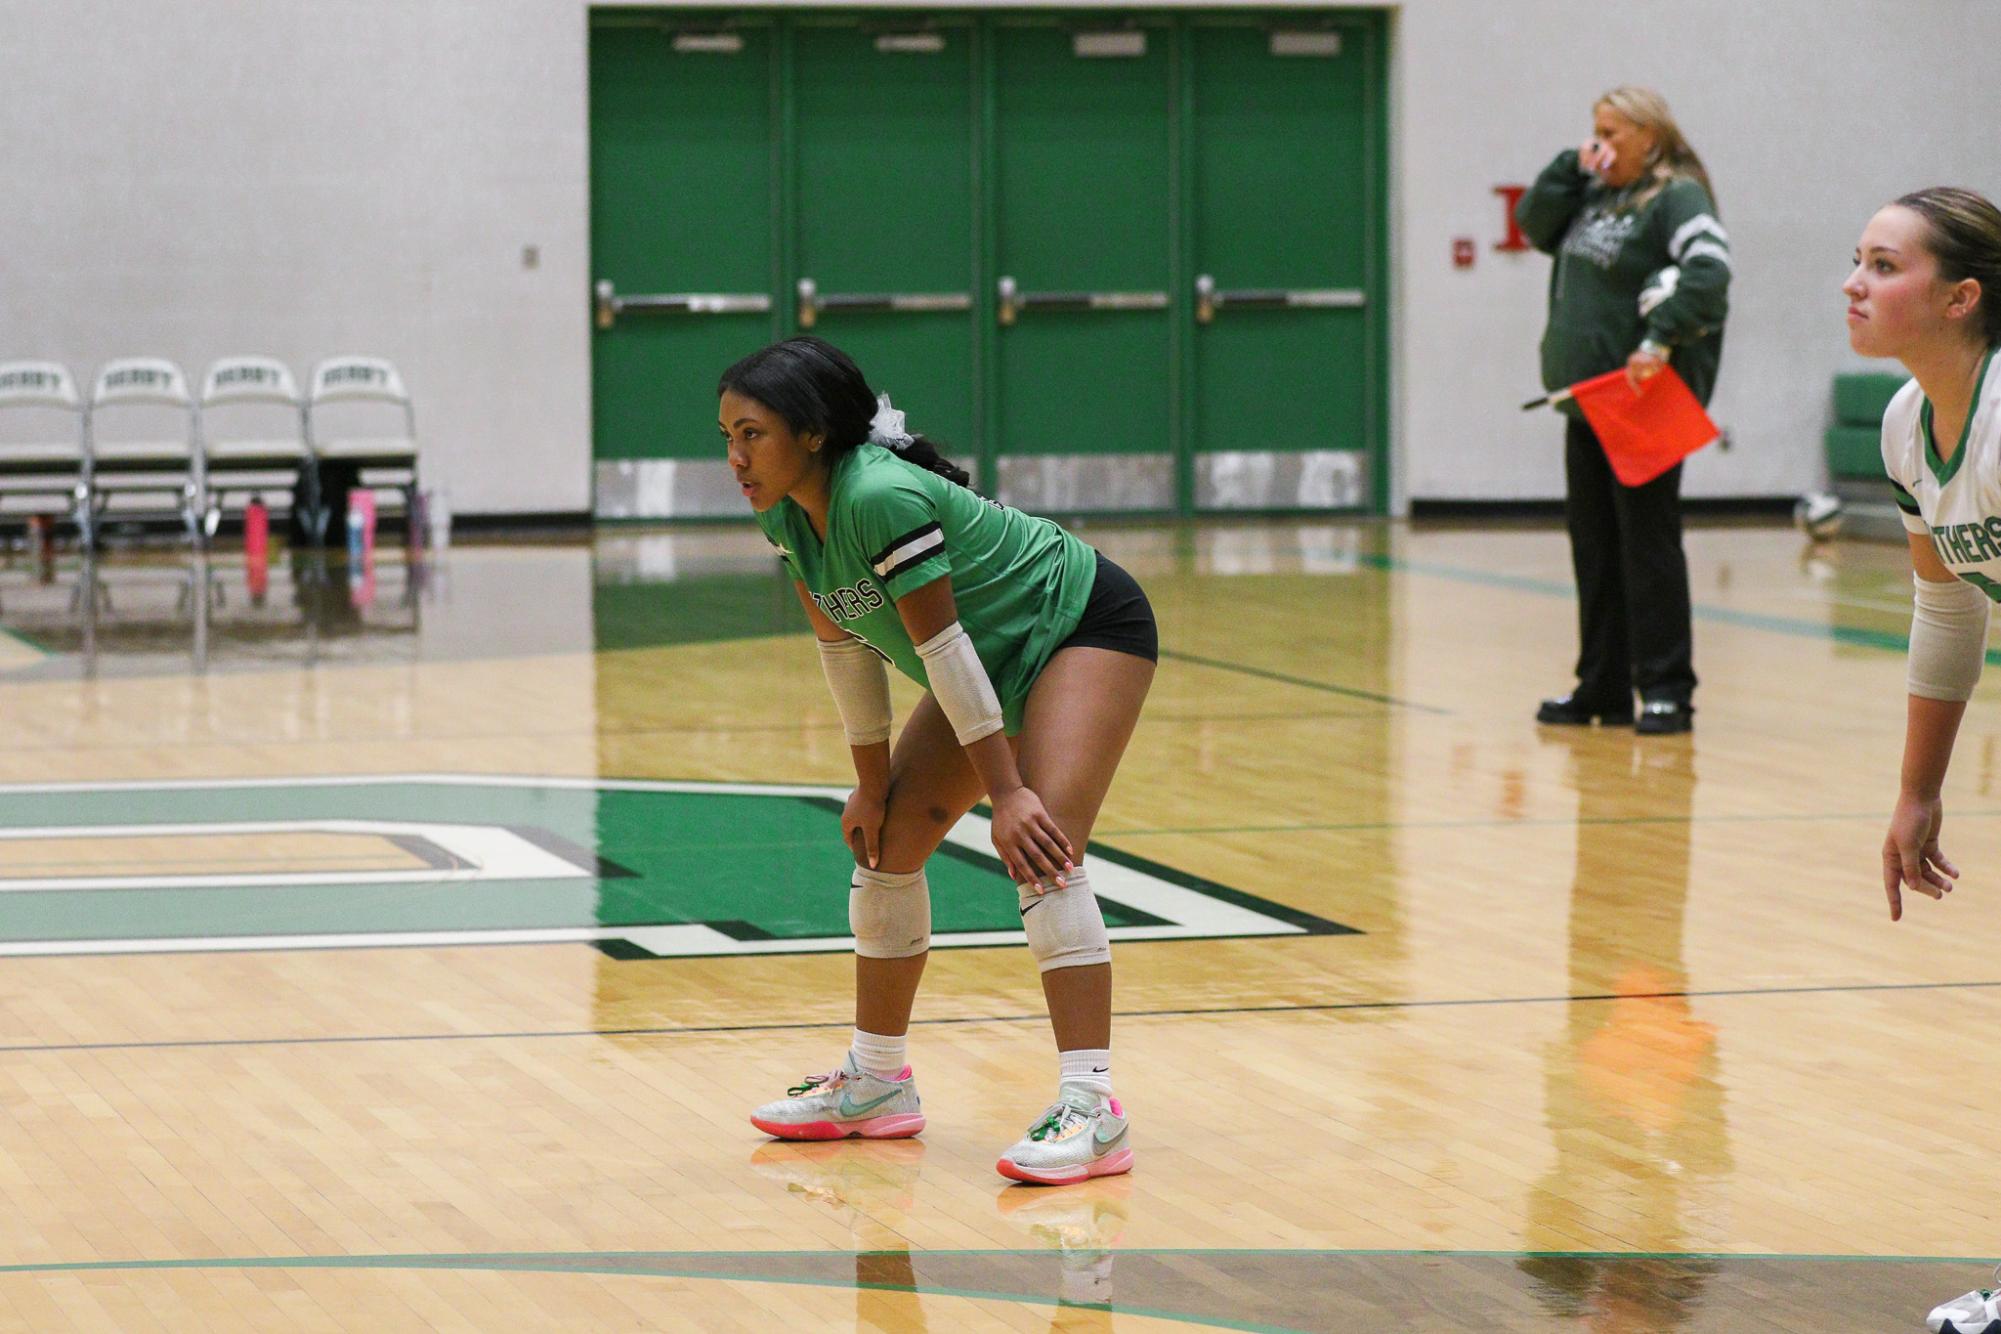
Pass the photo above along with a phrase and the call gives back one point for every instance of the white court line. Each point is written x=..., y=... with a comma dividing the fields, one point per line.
x=1188, y=914
x=483, y=852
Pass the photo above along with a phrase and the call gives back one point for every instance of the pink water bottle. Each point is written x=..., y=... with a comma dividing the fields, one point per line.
x=257, y=549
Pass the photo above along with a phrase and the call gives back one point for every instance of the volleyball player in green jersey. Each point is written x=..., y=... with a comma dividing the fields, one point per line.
x=1036, y=654
x=1926, y=290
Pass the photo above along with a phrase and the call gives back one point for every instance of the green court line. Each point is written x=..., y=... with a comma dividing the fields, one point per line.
x=629, y=1262
x=655, y=1264
x=1774, y=624
x=1268, y=675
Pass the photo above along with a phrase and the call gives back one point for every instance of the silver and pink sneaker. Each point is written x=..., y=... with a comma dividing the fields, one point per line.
x=846, y=1102
x=1082, y=1135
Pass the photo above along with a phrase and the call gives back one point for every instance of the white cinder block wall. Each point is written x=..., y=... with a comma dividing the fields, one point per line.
x=193, y=178
x=1808, y=114
x=199, y=177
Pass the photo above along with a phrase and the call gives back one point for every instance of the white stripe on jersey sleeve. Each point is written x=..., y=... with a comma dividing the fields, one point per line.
x=912, y=548
x=1707, y=250
x=1694, y=227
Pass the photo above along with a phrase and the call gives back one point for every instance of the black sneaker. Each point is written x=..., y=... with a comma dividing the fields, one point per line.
x=1569, y=711
x=1659, y=717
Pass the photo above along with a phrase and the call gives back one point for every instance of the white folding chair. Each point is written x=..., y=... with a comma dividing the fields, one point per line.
x=378, y=459
x=35, y=394
x=253, y=437
x=165, y=459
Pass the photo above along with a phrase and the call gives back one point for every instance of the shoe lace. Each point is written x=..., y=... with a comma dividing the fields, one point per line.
x=812, y=1082
x=1053, y=1120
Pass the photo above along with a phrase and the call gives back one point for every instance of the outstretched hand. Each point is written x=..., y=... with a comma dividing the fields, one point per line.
x=1911, y=856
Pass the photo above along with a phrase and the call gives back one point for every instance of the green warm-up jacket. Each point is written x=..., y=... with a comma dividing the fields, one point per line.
x=1617, y=250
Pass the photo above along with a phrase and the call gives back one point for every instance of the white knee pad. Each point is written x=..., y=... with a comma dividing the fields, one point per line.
x=890, y=913
x=1065, y=928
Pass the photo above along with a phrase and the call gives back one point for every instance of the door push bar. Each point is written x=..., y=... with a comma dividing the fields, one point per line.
x=610, y=305
x=1013, y=301
x=812, y=301
x=1209, y=297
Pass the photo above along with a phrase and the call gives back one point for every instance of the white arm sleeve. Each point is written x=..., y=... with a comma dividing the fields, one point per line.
x=860, y=684
x=960, y=684
x=1948, y=639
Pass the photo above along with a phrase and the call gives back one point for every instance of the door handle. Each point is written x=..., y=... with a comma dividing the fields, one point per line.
x=1209, y=298
x=1013, y=300
x=609, y=305
x=812, y=301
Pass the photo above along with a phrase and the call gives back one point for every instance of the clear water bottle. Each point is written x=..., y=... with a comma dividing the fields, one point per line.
x=438, y=516
x=354, y=532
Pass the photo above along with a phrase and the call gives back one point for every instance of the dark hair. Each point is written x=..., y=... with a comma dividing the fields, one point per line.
x=1963, y=233
x=818, y=390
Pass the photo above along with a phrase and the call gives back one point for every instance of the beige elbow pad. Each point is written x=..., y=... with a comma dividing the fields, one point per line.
x=1948, y=639
x=860, y=686
x=960, y=684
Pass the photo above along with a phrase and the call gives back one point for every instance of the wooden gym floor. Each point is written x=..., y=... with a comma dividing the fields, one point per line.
x=405, y=952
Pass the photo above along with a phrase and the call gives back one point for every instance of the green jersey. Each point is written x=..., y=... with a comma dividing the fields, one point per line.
x=1020, y=582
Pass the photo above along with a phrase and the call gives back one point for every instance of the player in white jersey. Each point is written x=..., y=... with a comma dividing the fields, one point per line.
x=1926, y=290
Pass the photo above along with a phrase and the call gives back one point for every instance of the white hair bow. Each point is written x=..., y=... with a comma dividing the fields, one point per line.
x=886, y=428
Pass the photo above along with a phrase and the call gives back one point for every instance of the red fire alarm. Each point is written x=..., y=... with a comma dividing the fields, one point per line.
x=1463, y=251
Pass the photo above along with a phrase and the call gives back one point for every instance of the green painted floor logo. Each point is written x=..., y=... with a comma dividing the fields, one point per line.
x=640, y=870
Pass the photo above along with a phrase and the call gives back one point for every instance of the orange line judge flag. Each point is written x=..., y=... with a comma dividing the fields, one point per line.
x=1644, y=431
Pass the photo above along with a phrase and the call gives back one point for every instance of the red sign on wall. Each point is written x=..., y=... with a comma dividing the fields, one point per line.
x=1510, y=196
x=1463, y=252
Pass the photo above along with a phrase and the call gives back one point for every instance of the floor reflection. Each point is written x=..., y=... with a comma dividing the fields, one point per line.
x=147, y=614
x=867, y=1186
x=1632, y=1097
x=1083, y=1225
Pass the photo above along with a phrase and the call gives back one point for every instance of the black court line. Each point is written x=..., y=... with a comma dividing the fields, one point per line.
x=1267, y=675
x=1523, y=822
x=1331, y=1007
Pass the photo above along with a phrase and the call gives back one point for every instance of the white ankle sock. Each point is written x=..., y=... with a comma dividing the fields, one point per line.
x=1088, y=1067
x=881, y=1055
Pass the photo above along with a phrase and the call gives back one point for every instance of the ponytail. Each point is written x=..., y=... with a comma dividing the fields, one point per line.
x=924, y=453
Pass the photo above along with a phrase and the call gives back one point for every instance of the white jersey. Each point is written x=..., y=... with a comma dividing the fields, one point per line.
x=1957, y=501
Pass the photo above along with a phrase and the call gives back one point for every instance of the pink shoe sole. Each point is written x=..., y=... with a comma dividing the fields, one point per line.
x=1111, y=1165
x=901, y=1126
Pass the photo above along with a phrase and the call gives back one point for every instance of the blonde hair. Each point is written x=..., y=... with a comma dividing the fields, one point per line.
x=1963, y=233
x=1672, y=157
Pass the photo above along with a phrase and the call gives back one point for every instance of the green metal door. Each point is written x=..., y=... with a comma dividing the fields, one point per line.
x=1125, y=263
x=1082, y=134
x=683, y=252
x=1287, y=291
x=885, y=211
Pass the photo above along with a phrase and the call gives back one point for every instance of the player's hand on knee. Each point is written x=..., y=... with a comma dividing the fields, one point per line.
x=861, y=825
x=1030, y=844
x=1911, y=856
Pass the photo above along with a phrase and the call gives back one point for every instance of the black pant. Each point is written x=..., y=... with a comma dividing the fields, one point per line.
x=1632, y=579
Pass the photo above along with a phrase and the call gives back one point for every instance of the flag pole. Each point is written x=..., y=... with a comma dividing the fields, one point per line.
x=1549, y=400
